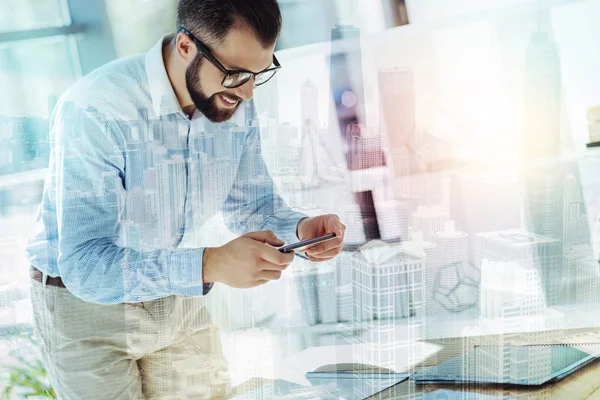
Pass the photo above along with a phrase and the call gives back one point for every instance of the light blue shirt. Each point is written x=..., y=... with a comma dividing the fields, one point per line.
x=131, y=175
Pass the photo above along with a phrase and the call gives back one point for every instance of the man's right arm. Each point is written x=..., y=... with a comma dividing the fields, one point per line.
x=248, y=261
x=90, y=168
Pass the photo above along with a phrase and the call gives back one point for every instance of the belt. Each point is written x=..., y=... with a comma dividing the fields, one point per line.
x=38, y=276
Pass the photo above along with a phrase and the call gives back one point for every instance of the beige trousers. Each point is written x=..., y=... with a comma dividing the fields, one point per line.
x=160, y=349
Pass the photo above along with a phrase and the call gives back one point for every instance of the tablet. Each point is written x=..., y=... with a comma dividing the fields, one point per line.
x=516, y=365
x=354, y=385
x=445, y=394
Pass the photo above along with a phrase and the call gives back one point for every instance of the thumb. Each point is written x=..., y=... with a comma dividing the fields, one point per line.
x=267, y=237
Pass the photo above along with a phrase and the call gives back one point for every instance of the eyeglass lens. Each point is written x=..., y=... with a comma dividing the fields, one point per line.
x=236, y=80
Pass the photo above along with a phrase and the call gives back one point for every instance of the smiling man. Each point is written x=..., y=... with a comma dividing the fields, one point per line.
x=144, y=151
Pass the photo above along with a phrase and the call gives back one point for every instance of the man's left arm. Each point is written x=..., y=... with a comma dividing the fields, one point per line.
x=253, y=203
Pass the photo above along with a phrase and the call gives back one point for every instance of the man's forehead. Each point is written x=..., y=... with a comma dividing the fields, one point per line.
x=241, y=49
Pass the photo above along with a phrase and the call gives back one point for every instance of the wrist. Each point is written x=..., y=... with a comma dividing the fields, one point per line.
x=208, y=265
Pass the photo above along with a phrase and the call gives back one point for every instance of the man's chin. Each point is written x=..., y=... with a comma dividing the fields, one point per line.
x=221, y=117
x=222, y=114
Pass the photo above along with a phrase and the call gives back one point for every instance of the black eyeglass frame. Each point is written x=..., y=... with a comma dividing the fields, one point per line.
x=228, y=72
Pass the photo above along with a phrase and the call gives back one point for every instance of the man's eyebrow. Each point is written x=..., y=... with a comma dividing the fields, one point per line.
x=230, y=67
x=245, y=69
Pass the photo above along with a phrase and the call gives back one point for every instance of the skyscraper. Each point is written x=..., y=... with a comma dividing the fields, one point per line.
x=346, y=85
x=309, y=105
x=542, y=192
x=170, y=193
x=393, y=218
x=346, y=78
x=579, y=265
x=387, y=282
x=451, y=252
x=309, y=124
x=365, y=148
x=529, y=250
x=326, y=294
x=429, y=220
x=217, y=176
x=397, y=113
x=542, y=98
x=267, y=100
x=402, y=181
x=512, y=306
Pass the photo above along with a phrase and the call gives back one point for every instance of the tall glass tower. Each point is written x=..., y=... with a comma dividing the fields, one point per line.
x=348, y=108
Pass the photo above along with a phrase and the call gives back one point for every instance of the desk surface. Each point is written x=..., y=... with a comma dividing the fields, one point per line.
x=582, y=384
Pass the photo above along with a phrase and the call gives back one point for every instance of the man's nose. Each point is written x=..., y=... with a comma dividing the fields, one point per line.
x=246, y=91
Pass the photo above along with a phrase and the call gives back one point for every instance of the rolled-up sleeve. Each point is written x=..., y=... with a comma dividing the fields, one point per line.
x=93, y=261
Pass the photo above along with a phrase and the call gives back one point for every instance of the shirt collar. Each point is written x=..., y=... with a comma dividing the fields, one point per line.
x=164, y=100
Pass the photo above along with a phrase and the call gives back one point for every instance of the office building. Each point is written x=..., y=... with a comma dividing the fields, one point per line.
x=365, y=148
x=388, y=283
x=513, y=307
x=346, y=78
x=326, y=292
x=309, y=123
x=393, y=218
x=543, y=175
x=267, y=101
x=217, y=176
x=484, y=202
x=429, y=220
x=578, y=259
x=397, y=114
x=171, y=193
x=388, y=291
x=529, y=250
x=450, y=284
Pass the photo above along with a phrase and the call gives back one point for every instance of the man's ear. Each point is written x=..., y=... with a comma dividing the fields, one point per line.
x=185, y=47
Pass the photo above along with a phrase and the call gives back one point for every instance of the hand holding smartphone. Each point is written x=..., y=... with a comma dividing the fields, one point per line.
x=302, y=245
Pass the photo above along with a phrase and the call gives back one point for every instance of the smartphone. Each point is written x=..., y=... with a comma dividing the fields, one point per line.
x=305, y=243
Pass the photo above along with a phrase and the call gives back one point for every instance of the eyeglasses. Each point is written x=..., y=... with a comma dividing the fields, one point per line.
x=235, y=78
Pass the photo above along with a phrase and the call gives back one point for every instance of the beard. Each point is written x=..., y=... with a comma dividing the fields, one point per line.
x=206, y=105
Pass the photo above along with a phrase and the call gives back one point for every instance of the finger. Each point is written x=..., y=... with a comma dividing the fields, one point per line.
x=268, y=266
x=327, y=254
x=315, y=259
x=274, y=256
x=267, y=237
x=257, y=283
x=334, y=225
x=325, y=246
x=269, y=275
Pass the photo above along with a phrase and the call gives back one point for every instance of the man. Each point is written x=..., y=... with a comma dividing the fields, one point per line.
x=141, y=157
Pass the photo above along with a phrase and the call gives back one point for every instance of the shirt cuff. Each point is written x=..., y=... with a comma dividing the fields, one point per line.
x=298, y=225
x=206, y=288
x=185, y=272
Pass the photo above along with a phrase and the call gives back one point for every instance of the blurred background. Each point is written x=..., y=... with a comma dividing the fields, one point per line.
x=450, y=137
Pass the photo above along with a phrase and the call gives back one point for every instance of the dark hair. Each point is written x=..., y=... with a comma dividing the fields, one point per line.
x=211, y=20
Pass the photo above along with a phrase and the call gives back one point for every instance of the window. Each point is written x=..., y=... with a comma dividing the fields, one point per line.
x=154, y=18
x=43, y=46
x=19, y=15
x=33, y=74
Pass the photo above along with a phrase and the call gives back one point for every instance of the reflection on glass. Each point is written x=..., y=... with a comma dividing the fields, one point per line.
x=32, y=75
x=19, y=15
